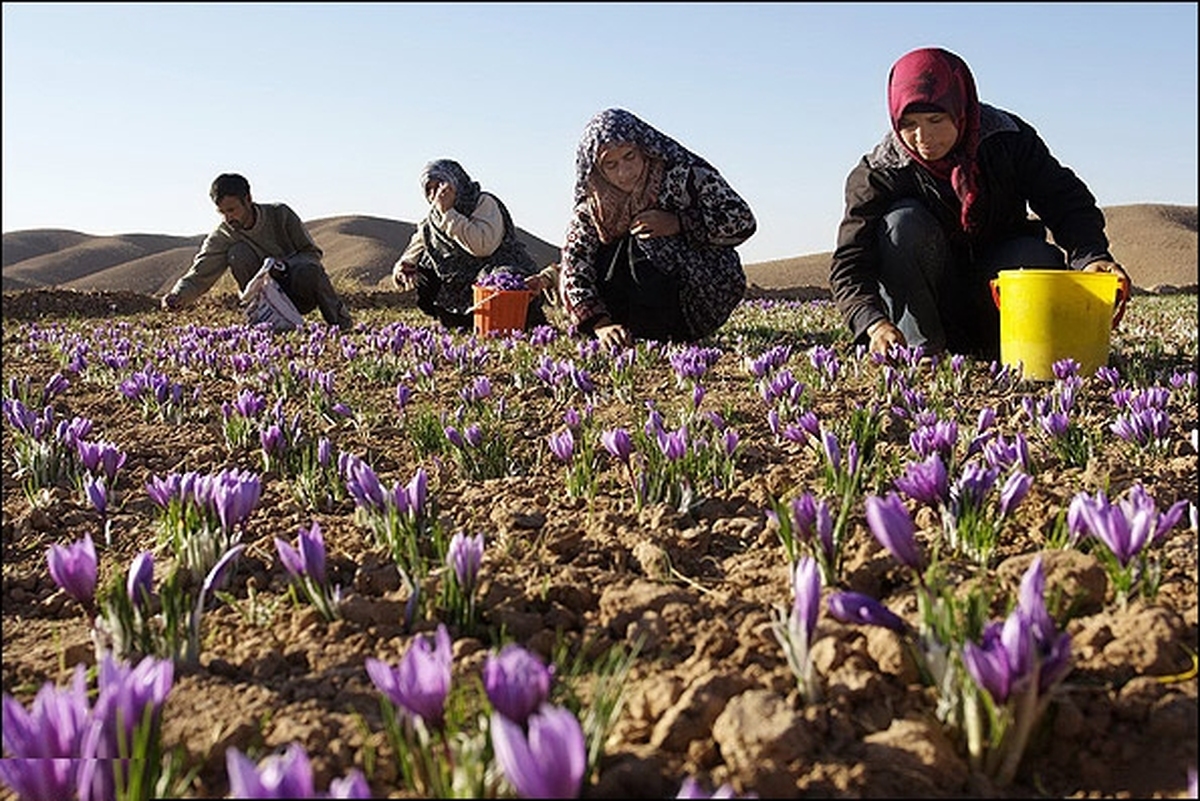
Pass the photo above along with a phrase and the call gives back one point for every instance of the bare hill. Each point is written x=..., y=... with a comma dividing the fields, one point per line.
x=1157, y=243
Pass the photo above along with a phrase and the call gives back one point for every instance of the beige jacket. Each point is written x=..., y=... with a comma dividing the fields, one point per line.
x=480, y=234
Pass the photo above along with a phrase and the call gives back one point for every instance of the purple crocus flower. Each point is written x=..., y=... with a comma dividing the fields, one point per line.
x=547, y=762
x=42, y=744
x=403, y=396
x=926, y=482
x=464, y=555
x=863, y=610
x=140, y=584
x=100, y=457
x=806, y=602
x=690, y=788
x=562, y=445
x=473, y=435
x=324, y=452
x=892, y=526
x=831, y=449
x=421, y=682
x=1054, y=423
x=73, y=567
x=129, y=695
x=308, y=557
x=272, y=440
x=813, y=520
x=235, y=493
x=454, y=437
x=516, y=682
x=1110, y=525
x=57, y=385
x=361, y=482
x=1015, y=488
x=286, y=775
x=988, y=664
x=673, y=444
x=97, y=493
x=617, y=442
x=418, y=491
x=164, y=490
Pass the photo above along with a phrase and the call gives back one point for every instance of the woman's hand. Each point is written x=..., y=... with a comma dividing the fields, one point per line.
x=884, y=334
x=613, y=335
x=444, y=197
x=1104, y=266
x=404, y=275
x=654, y=223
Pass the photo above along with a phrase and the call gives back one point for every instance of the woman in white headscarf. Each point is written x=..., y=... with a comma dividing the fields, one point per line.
x=467, y=235
x=649, y=253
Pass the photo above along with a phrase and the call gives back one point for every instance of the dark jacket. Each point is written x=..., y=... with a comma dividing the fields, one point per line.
x=1017, y=173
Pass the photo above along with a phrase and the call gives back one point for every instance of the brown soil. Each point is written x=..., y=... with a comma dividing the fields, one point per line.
x=710, y=694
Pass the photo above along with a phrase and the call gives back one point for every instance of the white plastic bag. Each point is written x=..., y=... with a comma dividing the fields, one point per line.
x=264, y=302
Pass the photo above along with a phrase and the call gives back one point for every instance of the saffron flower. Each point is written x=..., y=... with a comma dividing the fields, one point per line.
x=42, y=744
x=547, y=759
x=562, y=445
x=516, y=682
x=464, y=555
x=421, y=683
x=893, y=528
x=863, y=610
x=617, y=442
x=140, y=584
x=286, y=775
x=796, y=629
x=130, y=698
x=73, y=568
x=306, y=564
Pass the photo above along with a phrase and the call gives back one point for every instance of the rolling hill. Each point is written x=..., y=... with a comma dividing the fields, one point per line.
x=1157, y=243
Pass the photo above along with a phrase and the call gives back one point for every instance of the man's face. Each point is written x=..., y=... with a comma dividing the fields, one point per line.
x=237, y=212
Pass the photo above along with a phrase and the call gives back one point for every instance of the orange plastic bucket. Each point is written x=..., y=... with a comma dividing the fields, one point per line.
x=1050, y=315
x=499, y=311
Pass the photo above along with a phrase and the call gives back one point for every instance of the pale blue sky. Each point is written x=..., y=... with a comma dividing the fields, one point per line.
x=117, y=117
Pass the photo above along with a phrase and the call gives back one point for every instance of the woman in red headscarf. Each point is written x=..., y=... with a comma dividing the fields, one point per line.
x=942, y=204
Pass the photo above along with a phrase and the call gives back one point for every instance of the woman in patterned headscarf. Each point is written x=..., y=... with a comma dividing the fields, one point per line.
x=467, y=234
x=649, y=252
x=940, y=206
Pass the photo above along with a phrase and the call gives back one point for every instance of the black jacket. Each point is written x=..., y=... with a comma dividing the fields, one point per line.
x=1017, y=173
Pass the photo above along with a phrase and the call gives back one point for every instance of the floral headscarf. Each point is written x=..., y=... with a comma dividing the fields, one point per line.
x=932, y=76
x=466, y=191
x=611, y=209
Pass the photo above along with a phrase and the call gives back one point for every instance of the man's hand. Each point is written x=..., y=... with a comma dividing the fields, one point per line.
x=170, y=303
x=654, y=223
x=884, y=334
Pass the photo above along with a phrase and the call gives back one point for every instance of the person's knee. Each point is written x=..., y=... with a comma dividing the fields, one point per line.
x=908, y=224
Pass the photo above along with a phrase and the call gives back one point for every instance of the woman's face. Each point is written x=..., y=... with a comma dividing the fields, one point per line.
x=931, y=135
x=622, y=165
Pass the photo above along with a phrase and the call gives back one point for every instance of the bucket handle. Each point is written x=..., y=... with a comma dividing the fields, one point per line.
x=1121, y=300
x=486, y=299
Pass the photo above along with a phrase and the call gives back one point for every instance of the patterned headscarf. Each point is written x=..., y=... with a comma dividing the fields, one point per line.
x=932, y=76
x=466, y=191
x=613, y=210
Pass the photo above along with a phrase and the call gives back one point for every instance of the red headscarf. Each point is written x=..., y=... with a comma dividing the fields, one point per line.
x=935, y=77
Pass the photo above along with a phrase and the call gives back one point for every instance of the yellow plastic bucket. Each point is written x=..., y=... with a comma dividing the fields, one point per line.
x=1050, y=315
